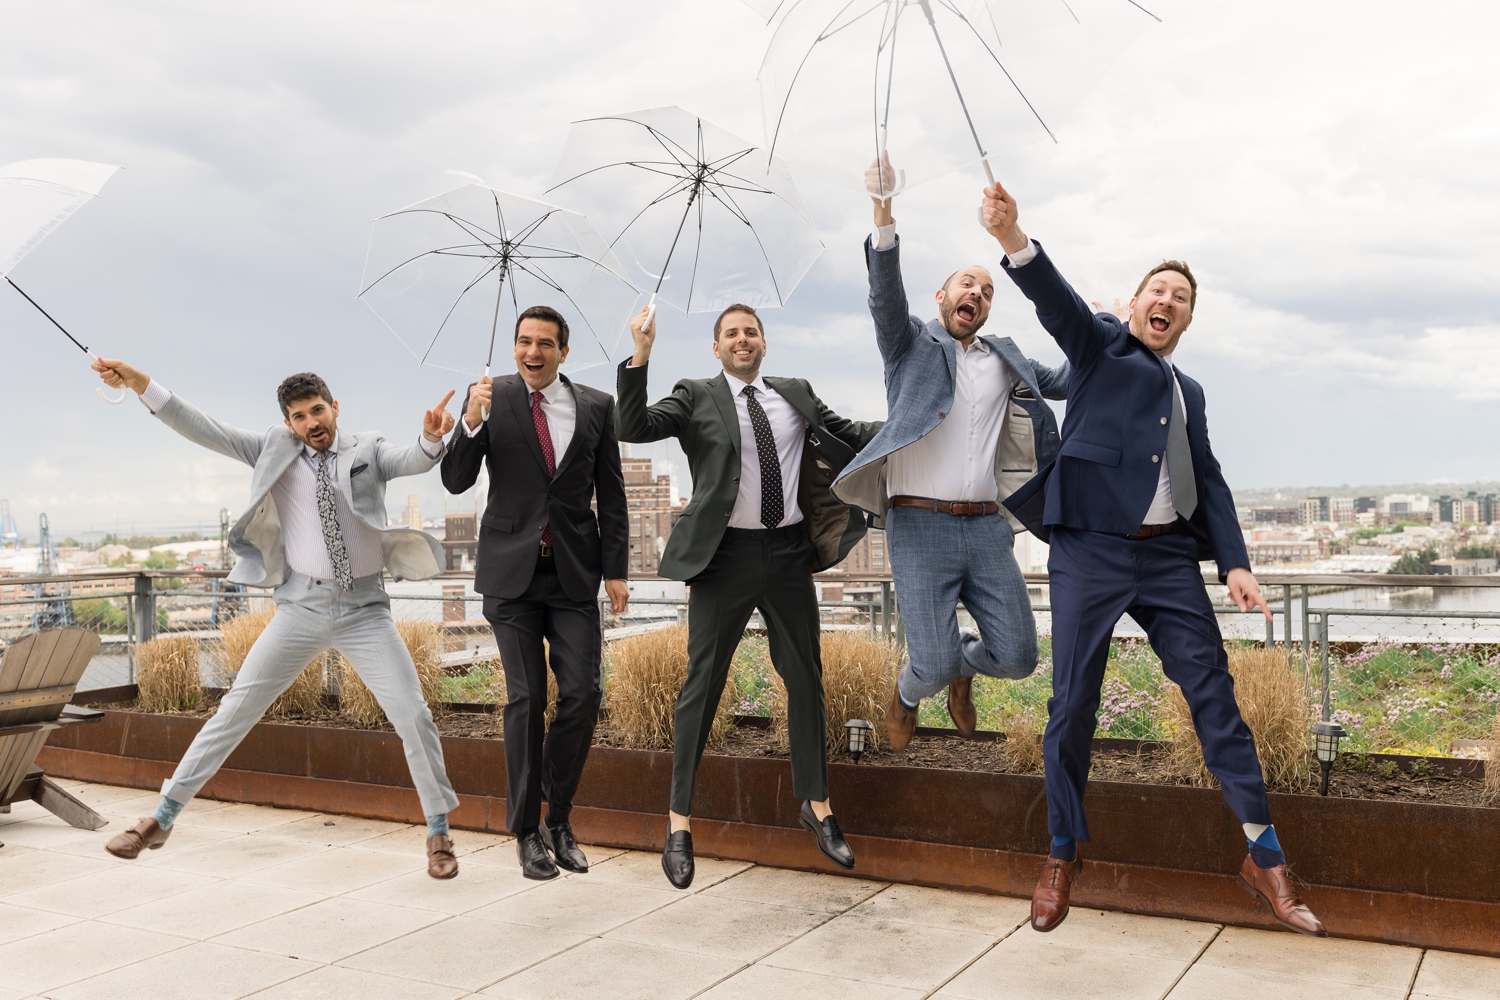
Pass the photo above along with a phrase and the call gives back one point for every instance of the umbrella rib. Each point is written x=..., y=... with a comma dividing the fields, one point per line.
x=765, y=256
x=801, y=65
x=1019, y=92
x=449, y=314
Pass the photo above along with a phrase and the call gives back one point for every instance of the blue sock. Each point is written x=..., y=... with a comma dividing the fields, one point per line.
x=1064, y=849
x=166, y=813
x=437, y=823
x=1264, y=847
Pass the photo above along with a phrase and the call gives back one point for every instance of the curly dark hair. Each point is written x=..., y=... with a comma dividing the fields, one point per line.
x=303, y=385
x=549, y=315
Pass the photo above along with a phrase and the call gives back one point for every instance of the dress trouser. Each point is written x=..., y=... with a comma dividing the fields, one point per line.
x=543, y=762
x=313, y=616
x=770, y=569
x=1095, y=578
x=938, y=560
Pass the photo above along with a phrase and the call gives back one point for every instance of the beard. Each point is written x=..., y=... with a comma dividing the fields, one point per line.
x=947, y=311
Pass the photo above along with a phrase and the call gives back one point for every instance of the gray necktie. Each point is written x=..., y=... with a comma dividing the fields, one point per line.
x=328, y=513
x=1180, y=458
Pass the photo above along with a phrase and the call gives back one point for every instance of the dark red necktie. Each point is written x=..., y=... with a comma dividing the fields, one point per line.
x=544, y=436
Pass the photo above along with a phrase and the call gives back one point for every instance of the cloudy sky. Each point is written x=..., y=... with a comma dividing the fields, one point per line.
x=1327, y=169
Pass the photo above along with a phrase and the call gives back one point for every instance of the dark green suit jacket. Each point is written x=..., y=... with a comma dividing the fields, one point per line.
x=700, y=414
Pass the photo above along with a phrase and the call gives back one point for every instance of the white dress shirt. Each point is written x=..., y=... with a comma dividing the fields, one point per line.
x=956, y=459
x=790, y=432
x=561, y=411
x=296, y=497
x=1162, y=510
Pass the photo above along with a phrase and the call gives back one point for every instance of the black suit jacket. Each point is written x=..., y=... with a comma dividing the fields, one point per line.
x=1115, y=430
x=700, y=414
x=523, y=500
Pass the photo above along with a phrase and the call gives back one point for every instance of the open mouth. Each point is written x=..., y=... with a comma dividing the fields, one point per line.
x=535, y=368
x=1159, y=322
x=966, y=312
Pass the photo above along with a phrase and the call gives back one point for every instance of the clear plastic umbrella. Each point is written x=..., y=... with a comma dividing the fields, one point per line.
x=699, y=216
x=450, y=274
x=937, y=84
x=37, y=196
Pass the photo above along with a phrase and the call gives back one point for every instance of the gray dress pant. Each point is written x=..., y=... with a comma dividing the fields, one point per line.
x=312, y=617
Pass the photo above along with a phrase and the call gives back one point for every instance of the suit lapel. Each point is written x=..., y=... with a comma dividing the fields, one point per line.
x=945, y=343
x=347, y=445
x=792, y=391
x=1007, y=350
x=519, y=395
x=583, y=411
x=718, y=388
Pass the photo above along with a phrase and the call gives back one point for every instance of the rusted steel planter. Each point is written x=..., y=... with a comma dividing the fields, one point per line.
x=1400, y=872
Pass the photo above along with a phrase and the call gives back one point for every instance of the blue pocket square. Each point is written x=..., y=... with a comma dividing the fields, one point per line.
x=361, y=467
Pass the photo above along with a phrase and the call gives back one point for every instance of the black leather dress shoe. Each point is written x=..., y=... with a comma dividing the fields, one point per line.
x=677, y=858
x=560, y=841
x=830, y=838
x=535, y=863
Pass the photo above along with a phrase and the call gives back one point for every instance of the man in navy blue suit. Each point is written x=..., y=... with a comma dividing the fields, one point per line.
x=1133, y=501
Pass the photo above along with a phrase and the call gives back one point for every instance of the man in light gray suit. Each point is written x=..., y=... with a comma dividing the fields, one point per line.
x=316, y=530
x=967, y=426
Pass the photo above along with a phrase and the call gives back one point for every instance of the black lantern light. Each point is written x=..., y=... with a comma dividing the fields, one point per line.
x=857, y=730
x=1326, y=736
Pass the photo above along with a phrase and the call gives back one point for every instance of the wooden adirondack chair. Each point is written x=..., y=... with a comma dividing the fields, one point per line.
x=37, y=678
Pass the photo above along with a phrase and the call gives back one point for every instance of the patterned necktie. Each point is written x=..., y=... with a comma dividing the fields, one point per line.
x=1180, y=458
x=328, y=513
x=544, y=436
x=772, y=502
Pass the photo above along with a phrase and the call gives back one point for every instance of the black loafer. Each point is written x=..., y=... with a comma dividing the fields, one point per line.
x=535, y=863
x=830, y=838
x=559, y=840
x=677, y=858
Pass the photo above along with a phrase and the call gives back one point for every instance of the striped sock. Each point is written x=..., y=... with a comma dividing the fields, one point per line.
x=1064, y=849
x=1264, y=847
x=437, y=823
x=166, y=812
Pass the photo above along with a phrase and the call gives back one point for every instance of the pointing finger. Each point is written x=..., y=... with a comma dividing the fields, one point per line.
x=444, y=404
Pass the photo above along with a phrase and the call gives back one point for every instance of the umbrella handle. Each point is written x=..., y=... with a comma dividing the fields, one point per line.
x=990, y=176
x=105, y=396
x=485, y=410
x=650, y=313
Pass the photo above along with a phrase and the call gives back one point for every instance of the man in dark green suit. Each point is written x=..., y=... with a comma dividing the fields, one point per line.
x=763, y=453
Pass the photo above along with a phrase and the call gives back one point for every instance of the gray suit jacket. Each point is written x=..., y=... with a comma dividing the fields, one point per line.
x=366, y=463
x=920, y=368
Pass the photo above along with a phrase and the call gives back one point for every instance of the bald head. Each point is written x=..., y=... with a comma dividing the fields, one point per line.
x=964, y=301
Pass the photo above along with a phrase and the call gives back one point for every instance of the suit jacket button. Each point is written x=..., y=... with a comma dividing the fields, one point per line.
x=941, y=414
x=1163, y=420
x=1156, y=458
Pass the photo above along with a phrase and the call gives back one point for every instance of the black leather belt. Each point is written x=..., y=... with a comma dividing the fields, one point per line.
x=963, y=508
x=1152, y=530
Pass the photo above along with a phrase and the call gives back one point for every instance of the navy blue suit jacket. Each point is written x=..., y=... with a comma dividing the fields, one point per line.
x=1119, y=402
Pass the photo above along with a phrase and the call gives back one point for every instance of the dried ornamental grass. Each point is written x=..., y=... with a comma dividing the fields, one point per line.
x=238, y=636
x=859, y=671
x=1492, y=766
x=646, y=672
x=1274, y=704
x=305, y=693
x=166, y=670
x=357, y=702
x=1023, y=741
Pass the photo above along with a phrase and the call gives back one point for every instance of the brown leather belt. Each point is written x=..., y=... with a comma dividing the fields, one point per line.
x=960, y=507
x=1152, y=530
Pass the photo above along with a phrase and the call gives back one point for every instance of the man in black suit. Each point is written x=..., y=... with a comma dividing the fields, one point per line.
x=763, y=453
x=551, y=448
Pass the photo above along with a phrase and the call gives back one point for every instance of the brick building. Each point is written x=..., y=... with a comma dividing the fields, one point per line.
x=460, y=541
x=652, y=513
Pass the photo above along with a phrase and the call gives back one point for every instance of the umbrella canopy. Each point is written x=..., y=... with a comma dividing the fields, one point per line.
x=936, y=83
x=700, y=217
x=37, y=196
x=450, y=275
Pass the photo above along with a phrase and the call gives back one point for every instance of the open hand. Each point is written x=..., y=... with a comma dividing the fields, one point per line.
x=1245, y=592
x=1001, y=217
x=644, y=335
x=115, y=373
x=479, y=402
x=1120, y=312
x=619, y=595
x=438, y=421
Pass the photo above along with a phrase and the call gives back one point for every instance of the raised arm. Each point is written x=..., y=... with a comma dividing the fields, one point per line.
x=895, y=327
x=465, y=453
x=1052, y=381
x=181, y=416
x=1061, y=311
x=634, y=420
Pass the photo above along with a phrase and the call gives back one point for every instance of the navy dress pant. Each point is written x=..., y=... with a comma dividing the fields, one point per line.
x=1096, y=578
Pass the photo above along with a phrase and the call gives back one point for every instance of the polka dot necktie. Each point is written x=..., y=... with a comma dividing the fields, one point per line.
x=772, y=504
x=544, y=438
x=328, y=513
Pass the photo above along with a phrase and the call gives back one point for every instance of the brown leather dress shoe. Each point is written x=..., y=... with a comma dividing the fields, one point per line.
x=900, y=722
x=961, y=706
x=147, y=834
x=1274, y=885
x=1049, y=900
x=441, y=862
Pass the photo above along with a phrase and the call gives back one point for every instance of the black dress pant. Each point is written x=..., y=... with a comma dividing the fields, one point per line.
x=543, y=763
x=772, y=570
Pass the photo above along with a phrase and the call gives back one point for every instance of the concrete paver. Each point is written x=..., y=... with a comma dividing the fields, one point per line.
x=278, y=904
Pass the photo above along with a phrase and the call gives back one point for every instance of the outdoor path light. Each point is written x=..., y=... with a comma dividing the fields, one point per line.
x=1326, y=736
x=857, y=728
